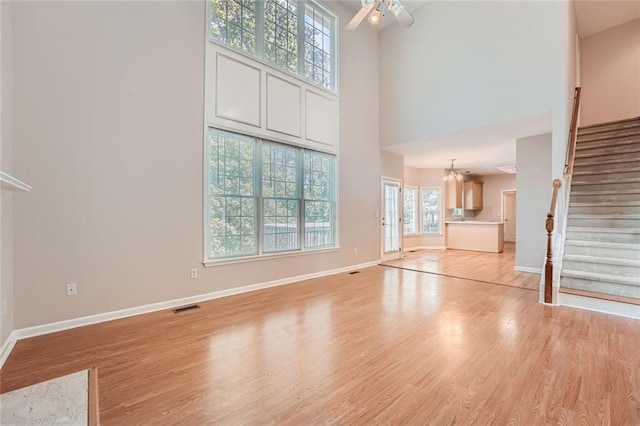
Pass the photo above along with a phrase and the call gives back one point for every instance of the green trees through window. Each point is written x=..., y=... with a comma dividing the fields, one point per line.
x=431, y=210
x=297, y=36
x=260, y=192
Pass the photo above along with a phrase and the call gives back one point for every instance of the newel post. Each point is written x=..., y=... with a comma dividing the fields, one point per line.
x=548, y=267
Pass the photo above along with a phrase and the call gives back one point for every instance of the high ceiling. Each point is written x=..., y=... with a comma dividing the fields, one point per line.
x=482, y=150
x=595, y=16
x=592, y=16
x=387, y=18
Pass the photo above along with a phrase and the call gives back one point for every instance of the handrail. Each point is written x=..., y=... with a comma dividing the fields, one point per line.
x=573, y=135
x=548, y=267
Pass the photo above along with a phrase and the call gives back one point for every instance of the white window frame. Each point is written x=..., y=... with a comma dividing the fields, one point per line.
x=416, y=210
x=259, y=42
x=440, y=210
x=261, y=254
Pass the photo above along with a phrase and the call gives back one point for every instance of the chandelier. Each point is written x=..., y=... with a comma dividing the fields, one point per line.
x=452, y=174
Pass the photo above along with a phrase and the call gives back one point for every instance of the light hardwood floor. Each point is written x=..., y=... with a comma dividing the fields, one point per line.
x=385, y=346
x=475, y=265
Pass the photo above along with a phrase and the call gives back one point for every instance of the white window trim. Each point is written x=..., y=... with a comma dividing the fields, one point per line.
x=258, y=56
x=416, y=209
x=420, y=196
x=269, y=255
x=255, y=258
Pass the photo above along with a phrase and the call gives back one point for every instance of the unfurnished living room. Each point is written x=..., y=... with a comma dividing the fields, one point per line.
x=320, y=212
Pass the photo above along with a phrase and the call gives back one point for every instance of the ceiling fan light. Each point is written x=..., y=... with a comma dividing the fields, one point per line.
x=374, y=18
x=401, y=13
x=395, y=8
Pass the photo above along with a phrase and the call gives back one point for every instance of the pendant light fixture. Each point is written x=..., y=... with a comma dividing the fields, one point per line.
x=452, y=174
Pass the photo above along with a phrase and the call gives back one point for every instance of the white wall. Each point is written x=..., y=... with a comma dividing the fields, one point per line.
x=492, y=196
x=109, y=131
x=564, y=104
x=6, y=203
x=424, y=178
x=463, y=65
x=467, y=64
x=533, y=185
x=610, y=74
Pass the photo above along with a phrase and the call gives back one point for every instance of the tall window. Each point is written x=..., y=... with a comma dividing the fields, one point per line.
x=410, y=210
x=232, y=195
x=281, y=34
x=297, y=36
x=265, y=197
x=280, y=197
x=431, y=218
x=319, y=199
x=318, y=45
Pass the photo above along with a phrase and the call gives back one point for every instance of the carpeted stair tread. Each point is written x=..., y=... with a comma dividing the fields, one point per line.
x=603, y=244
x=602, y=260
x=605, y=204
x=588, y=229
x=592, y=276
x=633, y=121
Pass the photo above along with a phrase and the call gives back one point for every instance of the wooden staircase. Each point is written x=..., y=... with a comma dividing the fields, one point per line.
x=602, y=247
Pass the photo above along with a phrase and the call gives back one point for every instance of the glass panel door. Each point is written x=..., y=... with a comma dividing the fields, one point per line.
x=391, y=230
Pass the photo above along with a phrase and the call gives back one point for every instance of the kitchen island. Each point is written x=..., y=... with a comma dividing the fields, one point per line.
x=475, y=235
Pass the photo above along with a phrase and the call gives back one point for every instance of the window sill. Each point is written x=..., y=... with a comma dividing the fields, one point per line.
x=210, y=263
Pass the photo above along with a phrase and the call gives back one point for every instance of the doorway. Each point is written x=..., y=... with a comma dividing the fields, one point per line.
x=509, y=214
x=391, y=219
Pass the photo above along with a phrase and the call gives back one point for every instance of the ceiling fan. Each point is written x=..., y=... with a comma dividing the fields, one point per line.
x=372, y=8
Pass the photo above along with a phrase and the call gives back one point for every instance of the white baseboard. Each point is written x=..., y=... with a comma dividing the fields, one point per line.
x=39, y=330
x=599, y=305
x=527, y=269
x=7, y=347
x=423, y=248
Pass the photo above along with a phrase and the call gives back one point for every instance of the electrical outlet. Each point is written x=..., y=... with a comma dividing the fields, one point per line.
x=355, y=250
x=194, y=274
x=72, y=289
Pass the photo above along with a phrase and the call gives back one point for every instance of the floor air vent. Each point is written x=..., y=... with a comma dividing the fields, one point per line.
x=185, y=308
x=354, y=272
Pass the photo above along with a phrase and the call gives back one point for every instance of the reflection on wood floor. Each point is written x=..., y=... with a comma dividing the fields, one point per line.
x=474, y=265
x=385, y=346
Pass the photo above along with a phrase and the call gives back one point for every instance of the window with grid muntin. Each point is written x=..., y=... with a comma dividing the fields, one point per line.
x=297, y=36
x=284, y=202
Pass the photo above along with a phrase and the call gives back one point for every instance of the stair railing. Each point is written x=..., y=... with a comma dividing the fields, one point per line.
x=573, y=135
x=548, y=266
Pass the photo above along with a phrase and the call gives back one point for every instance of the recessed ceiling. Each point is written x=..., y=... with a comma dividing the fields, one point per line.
x=480, y=150
x=593, y=16
x=387, y=18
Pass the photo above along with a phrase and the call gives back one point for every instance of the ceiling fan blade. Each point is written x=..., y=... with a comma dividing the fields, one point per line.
x=361, y=15
x=401, y=14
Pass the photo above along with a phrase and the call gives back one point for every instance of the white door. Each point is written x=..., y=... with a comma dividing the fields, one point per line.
x=391, y=222
x=509, y=215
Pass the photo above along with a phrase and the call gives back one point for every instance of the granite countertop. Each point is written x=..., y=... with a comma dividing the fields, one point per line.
x=59, y=401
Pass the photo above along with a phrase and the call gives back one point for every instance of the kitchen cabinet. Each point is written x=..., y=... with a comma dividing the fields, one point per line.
x=454, y=194
x=473, y=195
